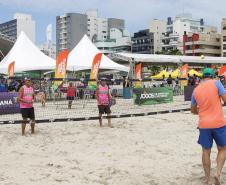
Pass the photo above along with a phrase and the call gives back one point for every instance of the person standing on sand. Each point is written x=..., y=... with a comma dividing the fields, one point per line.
x=206, y=102
x=103, y=97
x=26, y=99
x=70, y=94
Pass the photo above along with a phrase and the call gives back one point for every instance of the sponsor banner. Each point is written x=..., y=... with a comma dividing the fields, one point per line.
x=11, y=69
x=151, y=96
x=188, y=90
x=8, y=103
x=184, y=74
x=138, y=72
x=61, y=66
x=94, y=71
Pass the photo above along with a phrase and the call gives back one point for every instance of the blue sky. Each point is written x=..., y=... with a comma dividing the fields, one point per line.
x=136, y=13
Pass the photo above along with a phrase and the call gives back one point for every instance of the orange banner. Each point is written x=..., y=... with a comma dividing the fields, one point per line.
x=138, y=72
x=222, y=71
x=11, y=69
x=61, y=66
x=95, y=70
x=184, y=74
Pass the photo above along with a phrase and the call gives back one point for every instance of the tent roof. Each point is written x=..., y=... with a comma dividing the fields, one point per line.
x=81, y=57
x=149, y=58
x=27, y=57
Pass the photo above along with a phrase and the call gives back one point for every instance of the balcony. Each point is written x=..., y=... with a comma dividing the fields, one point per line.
x=204, y=51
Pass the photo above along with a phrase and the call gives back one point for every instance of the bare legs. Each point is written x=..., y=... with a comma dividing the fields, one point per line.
x=23, y=126
x=109, y=120
x=221, y=156
x=100, y=120
x=206, y=164
x=69, y=104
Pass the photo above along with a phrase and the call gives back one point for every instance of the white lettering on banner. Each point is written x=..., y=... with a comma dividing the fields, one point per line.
x=153, y=95
x=62, y=66
x=6, y=102
x=96, y=68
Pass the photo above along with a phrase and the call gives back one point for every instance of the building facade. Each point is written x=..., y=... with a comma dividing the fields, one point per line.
x=49, y=48
x=70, y=28
x=143, y=42
x=158, y=28
x=207, y=43
x=21, y=22
x=118, y=41
x=175, y=29
x=223, y=37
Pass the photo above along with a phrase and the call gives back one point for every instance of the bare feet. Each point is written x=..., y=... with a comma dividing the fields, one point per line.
x=111, y=126
x=217, y=180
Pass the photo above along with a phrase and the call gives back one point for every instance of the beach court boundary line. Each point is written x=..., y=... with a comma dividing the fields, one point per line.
x=96, y=117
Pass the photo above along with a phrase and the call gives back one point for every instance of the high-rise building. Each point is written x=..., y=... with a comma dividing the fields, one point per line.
x=21, y=22
x=223, y=37
x=49, y=48
x=176, y=28
x=70, y=28
x=115, y=23
x=97, y=27
x=118, y=41
x=143, y=42
x=158, y=28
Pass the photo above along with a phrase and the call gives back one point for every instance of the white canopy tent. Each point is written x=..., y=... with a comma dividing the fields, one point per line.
x=27, y=57
x=81, y=57
x=148, y=58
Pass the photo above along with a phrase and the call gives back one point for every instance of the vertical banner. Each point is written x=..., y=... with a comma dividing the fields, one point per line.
x=94, y=71
x=184, y=74
x=11, y=69
x=138, y=73
x=61, y=66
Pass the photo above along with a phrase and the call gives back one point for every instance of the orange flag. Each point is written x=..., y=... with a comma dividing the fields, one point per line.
x=61, y=66
x=95, y=70
x=184, y=74
x=138, y=72
x=11, y=69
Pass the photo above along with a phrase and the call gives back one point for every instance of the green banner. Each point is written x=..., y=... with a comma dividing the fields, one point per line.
x=152, y=96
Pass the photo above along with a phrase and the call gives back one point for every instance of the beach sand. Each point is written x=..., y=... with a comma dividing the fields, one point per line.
x=152, y=150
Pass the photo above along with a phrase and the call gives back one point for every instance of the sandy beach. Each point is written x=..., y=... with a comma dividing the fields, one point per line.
x=152, y=150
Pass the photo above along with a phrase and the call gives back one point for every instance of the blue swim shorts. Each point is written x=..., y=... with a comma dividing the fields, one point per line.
x=206, y=137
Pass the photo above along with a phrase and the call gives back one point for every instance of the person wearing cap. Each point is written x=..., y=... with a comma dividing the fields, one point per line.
x=206, y=102
x=103, y=97
x=26, y=99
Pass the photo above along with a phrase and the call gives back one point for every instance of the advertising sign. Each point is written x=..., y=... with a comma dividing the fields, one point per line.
x=8, y=103
x=152, y=96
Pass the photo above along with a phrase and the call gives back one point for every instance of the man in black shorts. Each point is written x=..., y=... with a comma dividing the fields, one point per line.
x=26, y=99
x=103, y=96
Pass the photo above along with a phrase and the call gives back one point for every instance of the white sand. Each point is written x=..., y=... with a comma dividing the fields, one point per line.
x=154, y=150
